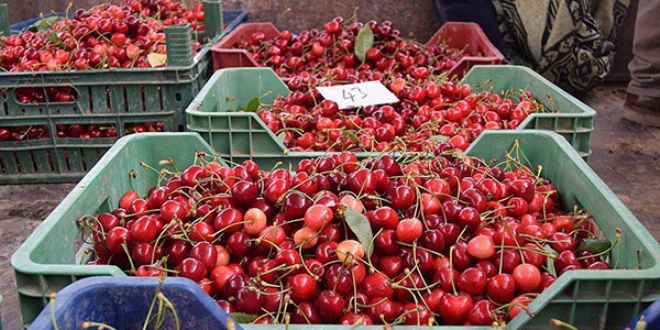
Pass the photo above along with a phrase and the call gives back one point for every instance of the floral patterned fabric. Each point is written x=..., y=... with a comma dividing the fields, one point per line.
x=570, y=42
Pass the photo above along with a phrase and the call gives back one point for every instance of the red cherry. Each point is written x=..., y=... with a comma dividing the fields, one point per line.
x=201, y=231
x=331, y=305
x=206, y=253
x=482, y=313
x=481, y=247
x=244, y=192
x=303, y=287
x=318, y=216
x=249, y=300
x=402, y=197
x=385, y=217
x=501, y=288
x=117, y=238
x=528, y=277
x=355, y=319
x=144, y=229
x=455, y=309
x=192, y=269
x=408, y=230
x=472, y=281
x=228, y=221
x=377, y=285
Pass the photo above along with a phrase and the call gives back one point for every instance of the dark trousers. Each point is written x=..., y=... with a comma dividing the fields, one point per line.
x=481, y=12
x=645, y=65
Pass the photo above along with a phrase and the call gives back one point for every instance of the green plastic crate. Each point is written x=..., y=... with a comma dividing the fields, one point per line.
x=51, y=257
x=109, y=96
x=571, y=118
x=238, y=136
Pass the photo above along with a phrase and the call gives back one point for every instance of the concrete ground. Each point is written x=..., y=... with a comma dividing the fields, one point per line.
x=625, y=156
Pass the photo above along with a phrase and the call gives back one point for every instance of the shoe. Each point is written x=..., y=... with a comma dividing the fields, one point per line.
x=642, y=110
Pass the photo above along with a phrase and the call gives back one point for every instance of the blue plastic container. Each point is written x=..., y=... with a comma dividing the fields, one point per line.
x=16, y=28
x=651, y=317
x=124, y=302
x=232, y=17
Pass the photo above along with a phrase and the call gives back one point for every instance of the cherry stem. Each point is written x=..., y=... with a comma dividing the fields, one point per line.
x=160, y=314
x=281, y=307
x=99, y=326
x=161, y=279
x=229, y=324
x=419, y=271
x=355, y=301
x=131, y=175
x=302, y=260
x=501, y=256
x=52, y=310
x=128, y=254
x=240, y=223
x=170, y=306
x=451, y=268
x=160, y=236
x=561, y=324
x=537, y=251
x=287, y=320
x=437, y=254
x=616, y=242
x=508, y=229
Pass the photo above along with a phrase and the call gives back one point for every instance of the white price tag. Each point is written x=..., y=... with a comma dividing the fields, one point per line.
x=358, y=95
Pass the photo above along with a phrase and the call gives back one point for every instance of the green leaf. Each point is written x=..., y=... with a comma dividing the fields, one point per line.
x=45, y=24
x=438, y=138
x=351, y=135
x=281, y=137
x=360, y=226
x=55, y=40
x=550, y=262
x=253, y=105
x=363, y=42
x=594, y=246
x=243, y=317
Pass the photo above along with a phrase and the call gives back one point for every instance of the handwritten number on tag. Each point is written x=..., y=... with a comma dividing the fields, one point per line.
x=353, y=93
x=358, y=94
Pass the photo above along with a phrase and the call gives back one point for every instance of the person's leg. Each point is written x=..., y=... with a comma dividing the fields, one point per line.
x=643, y=95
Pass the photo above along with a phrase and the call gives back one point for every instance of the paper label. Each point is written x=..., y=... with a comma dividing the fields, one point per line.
x=358, y=95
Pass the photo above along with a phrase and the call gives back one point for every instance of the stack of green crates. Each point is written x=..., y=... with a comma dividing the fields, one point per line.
x=105, y=97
